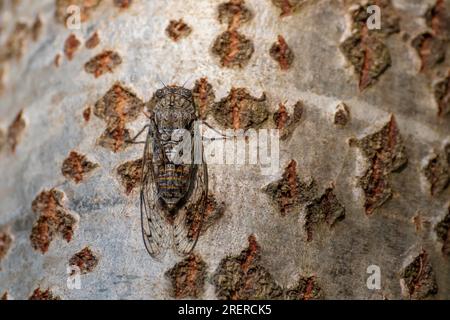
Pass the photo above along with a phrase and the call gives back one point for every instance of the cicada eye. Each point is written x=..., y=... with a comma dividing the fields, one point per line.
x=187, y=93
x=159, y=93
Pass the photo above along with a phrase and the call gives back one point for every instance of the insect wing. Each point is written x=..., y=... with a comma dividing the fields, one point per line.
x=155, y=229
x=189, y=220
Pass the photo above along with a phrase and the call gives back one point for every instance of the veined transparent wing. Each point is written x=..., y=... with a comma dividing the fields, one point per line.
x=155, y=228
x=189, y=219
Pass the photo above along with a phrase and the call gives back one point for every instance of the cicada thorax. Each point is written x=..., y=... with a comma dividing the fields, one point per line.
x=174, y=116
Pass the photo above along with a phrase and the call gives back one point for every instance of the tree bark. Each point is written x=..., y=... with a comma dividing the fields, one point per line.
x=364, y=161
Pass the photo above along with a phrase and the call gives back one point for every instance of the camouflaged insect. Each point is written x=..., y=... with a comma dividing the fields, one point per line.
x=173, y=194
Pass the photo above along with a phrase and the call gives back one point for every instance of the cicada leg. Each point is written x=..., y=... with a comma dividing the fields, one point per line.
x=133, y=140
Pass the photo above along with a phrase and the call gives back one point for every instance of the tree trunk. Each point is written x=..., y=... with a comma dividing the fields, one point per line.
x=357, y=207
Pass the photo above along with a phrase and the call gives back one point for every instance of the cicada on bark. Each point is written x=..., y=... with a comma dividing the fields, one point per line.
x=174, y=183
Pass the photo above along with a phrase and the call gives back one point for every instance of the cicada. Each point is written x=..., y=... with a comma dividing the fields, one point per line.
x=173, y=195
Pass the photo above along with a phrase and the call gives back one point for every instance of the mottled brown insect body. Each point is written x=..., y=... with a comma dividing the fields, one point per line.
x=170, y=188
x=173, y=111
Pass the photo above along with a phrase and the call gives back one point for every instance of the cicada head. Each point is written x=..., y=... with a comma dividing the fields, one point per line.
x=174, y=108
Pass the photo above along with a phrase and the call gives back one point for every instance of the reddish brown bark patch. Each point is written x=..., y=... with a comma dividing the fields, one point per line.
x=326, y=209
x=280, y=117
x=71, y=46
x=418, y=222
x=36, y=29
x=102, y=63
x=201, y=214
x=288, y=7
x=76, y=166
x=117, y=107
x=2, y=139
x=188, y=277
x=369, y=56
x=57, y=60
x=118, y=102
x=15, y=43
x=342, y=115
x=5, y=243
x=306, y=288
x=87, y=114
x=240, y=110
x=431, y=46
x=130, y=174
x=418, y=278
x=281, y=53
x=443, y=233
x=385, y=152
x=86, y=8
x=442, y=96
x=114, y=138
x=365, y=49
x=53, y=220
x=437, y=171
x=234, y=13
x=438, y=19
x=39, y=294
x=15, y=131
x=286, y=122
x=178, y=29
x=243, y=277
x=4, y=296
x=232, y=47
x=123, y=4
x=194, y=219
x=430, y=49
x=213, y=213
x=93, y=41
x=2, y=80
x=289, y=193
x=204, y=96
x=85, y=260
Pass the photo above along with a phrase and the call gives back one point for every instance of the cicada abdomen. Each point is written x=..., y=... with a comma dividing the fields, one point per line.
x=173, y=193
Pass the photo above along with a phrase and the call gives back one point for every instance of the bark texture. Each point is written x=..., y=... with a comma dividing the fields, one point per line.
x=364, y=152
